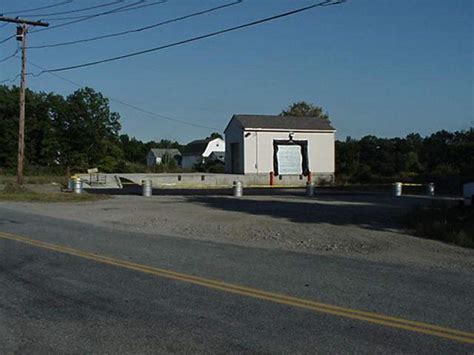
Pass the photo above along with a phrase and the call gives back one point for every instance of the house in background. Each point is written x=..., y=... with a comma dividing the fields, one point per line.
x=199, y=150
x=157, y=156
x=283, y=145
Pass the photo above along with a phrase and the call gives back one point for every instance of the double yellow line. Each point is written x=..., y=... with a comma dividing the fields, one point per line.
x=375, y=318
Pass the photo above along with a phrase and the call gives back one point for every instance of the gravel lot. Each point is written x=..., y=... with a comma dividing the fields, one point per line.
x=356, y=226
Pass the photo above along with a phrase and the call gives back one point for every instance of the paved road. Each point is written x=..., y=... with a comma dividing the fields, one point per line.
x=96, y=290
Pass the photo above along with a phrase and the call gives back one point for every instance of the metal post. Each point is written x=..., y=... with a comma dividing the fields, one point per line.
x=430, y=189
x=310, y=189
x=77, y=183
x=238, y=189
x=147, y=189
x=397, y=189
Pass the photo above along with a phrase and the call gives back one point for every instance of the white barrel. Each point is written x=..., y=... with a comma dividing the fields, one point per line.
x=397, y=189
x=238, y=189
x=310, y=189
x=147, y=188
x=77, y=186
x=430, y=189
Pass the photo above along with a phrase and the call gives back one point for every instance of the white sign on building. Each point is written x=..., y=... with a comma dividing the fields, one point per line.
x=289, y=160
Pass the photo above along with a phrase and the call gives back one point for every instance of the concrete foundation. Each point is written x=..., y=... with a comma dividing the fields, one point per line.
x=208, y=180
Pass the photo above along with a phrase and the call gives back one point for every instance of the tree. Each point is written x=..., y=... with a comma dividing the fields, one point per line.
x=89, y=132
x=214, y=135
x=302, y=109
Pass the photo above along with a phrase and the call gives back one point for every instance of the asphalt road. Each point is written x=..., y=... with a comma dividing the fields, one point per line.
x=97, y=290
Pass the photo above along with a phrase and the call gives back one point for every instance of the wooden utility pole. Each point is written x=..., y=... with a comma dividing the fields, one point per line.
x=21, y=126
x=21, y=31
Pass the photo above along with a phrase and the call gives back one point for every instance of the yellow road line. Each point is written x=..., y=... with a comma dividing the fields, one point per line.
x=371, y=317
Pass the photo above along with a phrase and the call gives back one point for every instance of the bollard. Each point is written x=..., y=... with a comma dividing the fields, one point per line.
x=238, y=189
x=147, y=190
x=77, y=186
x=430, y=189
x=397, y=189
x=310, y=189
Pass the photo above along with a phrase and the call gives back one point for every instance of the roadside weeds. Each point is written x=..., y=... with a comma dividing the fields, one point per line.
x=17, y=193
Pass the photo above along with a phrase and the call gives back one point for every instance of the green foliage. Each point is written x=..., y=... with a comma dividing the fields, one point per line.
x=449, y=224
x=443, y=157
x=302, y=109
x=69, y=133
x=14, y=192
x=214, y=135
x=210, y=166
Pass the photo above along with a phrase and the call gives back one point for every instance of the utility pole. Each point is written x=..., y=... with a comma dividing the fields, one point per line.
x=21, y=31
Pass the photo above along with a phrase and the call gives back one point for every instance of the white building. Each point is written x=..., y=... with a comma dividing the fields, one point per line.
x=258, y=144
x=155, y=156
x=200, y=150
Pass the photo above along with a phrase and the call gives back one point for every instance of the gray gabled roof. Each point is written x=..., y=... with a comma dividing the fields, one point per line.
x=196, y=147
x=283, y=122
x=159, y=152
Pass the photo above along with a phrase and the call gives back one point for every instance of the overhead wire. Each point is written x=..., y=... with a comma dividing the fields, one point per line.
x=26, y=12
x=123, y=103
x=11, y=55
x=194, y=39
x=139, y=29
x=13, y=79
x=133, y=6
x=88, y=17
x=73, y=11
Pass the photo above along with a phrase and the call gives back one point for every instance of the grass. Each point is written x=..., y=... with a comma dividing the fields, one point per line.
x=16, y=193
x=40, y=179
x=453, y=224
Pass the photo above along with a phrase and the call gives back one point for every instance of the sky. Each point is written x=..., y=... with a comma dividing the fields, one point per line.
x=378, y=67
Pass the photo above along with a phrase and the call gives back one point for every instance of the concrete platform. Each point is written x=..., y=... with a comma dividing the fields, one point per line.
x=183, y=180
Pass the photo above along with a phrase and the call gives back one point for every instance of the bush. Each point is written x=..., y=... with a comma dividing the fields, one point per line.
x=449, y=224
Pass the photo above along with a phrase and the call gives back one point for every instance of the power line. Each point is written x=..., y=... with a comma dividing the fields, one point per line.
x=10, y=56
x=12, y=79
x=164, y=117
x=73, y=11
x=133, y=6
x=25, y=12
x=140, y=29
x=194, y=39
x=88, y=17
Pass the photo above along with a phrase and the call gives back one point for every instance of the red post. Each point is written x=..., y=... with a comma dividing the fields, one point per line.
x=271, y=178
x=309, y=176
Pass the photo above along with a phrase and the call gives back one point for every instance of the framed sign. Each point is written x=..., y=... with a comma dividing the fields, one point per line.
x=290, y=157
x=289, y=160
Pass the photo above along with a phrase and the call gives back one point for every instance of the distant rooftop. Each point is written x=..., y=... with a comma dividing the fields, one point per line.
x=159, y=152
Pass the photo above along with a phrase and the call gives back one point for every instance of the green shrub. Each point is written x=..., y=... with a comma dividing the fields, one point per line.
x=449, y=224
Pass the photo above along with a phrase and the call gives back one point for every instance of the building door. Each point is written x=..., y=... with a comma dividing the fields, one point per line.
x=235, y=157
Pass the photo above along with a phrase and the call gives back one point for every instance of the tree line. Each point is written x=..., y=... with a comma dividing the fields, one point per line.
x=69, y=133
x=80, y=131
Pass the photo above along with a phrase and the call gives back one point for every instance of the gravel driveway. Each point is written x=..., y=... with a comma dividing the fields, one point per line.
x=349, y=225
